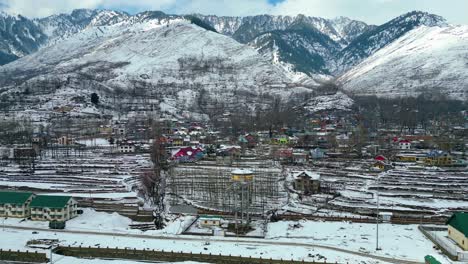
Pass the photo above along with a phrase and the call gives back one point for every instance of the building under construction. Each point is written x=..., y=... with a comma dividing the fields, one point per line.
x=246, y=189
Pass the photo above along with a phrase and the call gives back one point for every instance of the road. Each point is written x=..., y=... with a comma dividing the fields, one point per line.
x=232, y=240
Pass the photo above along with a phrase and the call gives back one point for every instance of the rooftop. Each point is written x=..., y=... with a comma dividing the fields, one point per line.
x=50, y=201
x=14, y=197
x=312, y=175
x=242, y=172
x=459, y=221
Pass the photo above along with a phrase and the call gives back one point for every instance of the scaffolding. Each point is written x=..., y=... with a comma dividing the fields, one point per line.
x=212, y=187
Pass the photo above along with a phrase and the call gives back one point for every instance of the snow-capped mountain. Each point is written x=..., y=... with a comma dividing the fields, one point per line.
x=427, y=60
x=19, y=36
x=168, y=64
x=245, y=29
x=62, y=26
x=301, y=44
x=371, y=41
x=301, y=49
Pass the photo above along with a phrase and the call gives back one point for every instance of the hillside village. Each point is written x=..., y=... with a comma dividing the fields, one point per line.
x=283, y=139
x=231, y=181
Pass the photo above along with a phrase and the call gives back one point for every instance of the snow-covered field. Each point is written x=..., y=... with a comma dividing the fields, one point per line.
x=283, y=240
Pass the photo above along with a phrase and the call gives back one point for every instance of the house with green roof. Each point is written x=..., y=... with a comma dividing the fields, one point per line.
x=53, y=208
x=458, y=229
x=15, y=204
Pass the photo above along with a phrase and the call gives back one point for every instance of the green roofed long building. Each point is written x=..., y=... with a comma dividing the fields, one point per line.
x=458, y=229
x=49, y=208
x=15, y=204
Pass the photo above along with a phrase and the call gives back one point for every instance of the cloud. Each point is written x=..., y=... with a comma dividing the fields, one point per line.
x=371, y=11
x=42, y=8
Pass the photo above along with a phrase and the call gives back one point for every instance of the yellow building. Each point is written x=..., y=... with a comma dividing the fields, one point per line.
x=458, y=229
x=439, y=158
x=242, y=175
x=410, y=157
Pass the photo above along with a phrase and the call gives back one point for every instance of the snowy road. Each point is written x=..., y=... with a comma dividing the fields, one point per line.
x=232, y=241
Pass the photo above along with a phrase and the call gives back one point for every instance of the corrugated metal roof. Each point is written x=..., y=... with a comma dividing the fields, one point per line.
x=14, y=197
x=459, y=221
x=50, y=201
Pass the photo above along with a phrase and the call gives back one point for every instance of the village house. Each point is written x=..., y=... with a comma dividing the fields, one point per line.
x=5, y=152
x=317, y=153
x=439, y=158
x=210, y=220
x=381, y=163
x=188, y=154
x=306, y=182
x=126, y=147
x=458, y=229
x=300, y=158
x=15, y=204
x=410, y=157
x=65, y=141
x=119, y=130
x=23, y=153
x=404, y=144
x=53, y=208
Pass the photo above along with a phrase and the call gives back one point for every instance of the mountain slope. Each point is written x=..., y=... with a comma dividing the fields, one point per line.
x=371, y=41
x=427, y=60
x=18, y=36
x=304, y=49
x=62, y=26
x=166, y=64
x=246, y=29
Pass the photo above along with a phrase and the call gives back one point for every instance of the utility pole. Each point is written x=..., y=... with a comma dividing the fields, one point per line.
x=378, y=213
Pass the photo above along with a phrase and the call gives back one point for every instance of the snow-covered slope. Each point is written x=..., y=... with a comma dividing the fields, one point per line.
x=245, y=29
x=18, y=36
x=373, y=40
x=156, y=63
x=62, y=26
x=429, y=60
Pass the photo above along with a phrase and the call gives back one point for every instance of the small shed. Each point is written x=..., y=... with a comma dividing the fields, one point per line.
x=386, y=216
x=210, y=220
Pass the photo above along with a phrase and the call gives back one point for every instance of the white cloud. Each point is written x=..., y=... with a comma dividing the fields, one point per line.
x=371, y=11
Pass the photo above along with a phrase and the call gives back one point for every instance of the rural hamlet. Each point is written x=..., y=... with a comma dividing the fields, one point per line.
x=234, y=132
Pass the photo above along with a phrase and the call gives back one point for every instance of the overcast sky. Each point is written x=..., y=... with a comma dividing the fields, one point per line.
x=370, y=11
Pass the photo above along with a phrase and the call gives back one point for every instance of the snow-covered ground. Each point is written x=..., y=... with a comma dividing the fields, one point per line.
x=283, y=240
x=398, y=241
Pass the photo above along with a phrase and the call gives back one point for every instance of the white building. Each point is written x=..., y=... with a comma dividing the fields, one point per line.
x=53, y=208
x=126, y=148
x=15, y=204
x=404, y=144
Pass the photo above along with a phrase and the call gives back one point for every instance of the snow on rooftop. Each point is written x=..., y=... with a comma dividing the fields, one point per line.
x=312, y=175
x=242, y=172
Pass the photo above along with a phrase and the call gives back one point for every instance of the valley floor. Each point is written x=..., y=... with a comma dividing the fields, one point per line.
x=340, y=242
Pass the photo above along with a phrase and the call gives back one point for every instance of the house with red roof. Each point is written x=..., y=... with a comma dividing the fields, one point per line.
x=188, y=154
x=404, y=144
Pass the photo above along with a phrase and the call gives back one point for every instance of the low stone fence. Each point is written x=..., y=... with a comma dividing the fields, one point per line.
x=450, y=250
x=23, y=256
x=164, y=256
